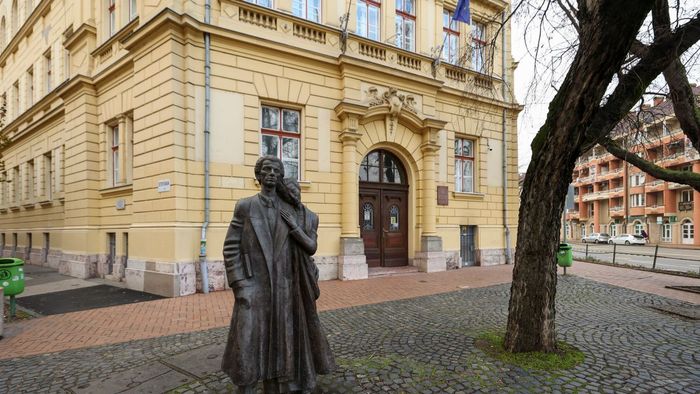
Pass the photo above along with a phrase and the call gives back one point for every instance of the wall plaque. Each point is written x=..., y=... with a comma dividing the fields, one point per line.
x=442, y=195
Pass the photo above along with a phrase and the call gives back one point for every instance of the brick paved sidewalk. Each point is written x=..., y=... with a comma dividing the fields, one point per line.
x=201, y=312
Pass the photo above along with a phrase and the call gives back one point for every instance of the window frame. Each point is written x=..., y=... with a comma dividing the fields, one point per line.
x=48, y=65
x=479, y=43
x=114, y=153
x=403, y=18
x=451, y=30
x=280, y=133
x=666, y=232
x=687, y=195
x=305, y=6
x=369, y=4
x=461, y=158
x=111, y=17
x=133, y=8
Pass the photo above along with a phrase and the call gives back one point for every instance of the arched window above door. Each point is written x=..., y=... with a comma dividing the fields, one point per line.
x=382, y=167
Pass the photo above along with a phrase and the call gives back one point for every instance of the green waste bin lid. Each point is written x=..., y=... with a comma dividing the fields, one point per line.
x=10, y=262
x=564, y=246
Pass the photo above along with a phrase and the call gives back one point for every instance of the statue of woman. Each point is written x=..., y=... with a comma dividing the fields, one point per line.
x=314, y=354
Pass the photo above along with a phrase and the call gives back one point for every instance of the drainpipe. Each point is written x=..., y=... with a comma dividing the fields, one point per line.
x=203, y=269
x=505, y=148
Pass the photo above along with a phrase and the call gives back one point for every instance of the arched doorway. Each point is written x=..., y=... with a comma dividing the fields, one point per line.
x=687, y=232
x=384, y=209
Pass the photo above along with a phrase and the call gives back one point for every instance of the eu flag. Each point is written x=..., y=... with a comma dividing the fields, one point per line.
x=462, y=11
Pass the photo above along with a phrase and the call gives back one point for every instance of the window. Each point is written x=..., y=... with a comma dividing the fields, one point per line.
x=583, y=230
x=48, y=175
x=5, y=189
x=280, y=135
x=637, y=179
x=381, y=166
x=478, y=46
x=687, y=232
x=450, y=38
x=16, y=186
x=591, y=211
x=114, y=142
x=66, y=64
x=28, y=250
x=15, y=99
x=111, y=18
x=638, y=228
x=3, y=37
x=28, y=8
x=30, y=180
x=132, y=9
x=307, y=9
x=613, y=229
x=264, y=3
x=14, y=244
x=47, y=69
x=637, y=200
x=14, y=19
x=47, y=247
x=666, y=232
x=464, y=165
x=30, y=87
x=686, y=196
x=406, y=24
x=368, y=14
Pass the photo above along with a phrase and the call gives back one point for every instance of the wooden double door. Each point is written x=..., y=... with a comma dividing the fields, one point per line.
x=384, y=225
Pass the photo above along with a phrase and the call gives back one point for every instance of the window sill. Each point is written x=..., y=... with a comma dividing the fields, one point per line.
x=14, y=208
x=28, y=205
x=468, y=196
x=116, y=190
x=45, y=202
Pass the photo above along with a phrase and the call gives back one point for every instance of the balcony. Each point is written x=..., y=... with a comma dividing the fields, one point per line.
x=572, y=215
x=655, y=186
x=617, y=211
x=654, y=210
x=599, y=195
x=685, y=206
x=674, y=186
x=616, y=192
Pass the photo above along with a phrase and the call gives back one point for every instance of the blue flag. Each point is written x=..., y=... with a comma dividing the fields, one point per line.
x=462, y=11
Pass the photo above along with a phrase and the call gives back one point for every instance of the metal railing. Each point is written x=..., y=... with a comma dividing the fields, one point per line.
x=591, y=251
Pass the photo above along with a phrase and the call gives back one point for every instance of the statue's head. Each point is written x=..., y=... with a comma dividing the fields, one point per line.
x=290, y=191
x=269, y=170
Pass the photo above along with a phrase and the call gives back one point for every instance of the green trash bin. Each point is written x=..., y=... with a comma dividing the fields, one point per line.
x=565, y=256
x=12, y=275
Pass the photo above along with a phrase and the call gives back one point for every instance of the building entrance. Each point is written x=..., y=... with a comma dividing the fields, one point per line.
x=384, y=210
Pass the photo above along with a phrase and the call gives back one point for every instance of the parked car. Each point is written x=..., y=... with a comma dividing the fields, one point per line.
x=628, y=239
x=596, y=238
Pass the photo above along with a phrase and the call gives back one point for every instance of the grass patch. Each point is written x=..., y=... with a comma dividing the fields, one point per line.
x=567, y=357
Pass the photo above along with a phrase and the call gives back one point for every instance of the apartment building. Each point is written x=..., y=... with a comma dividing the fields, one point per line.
x=614, y=197
x=405, y=147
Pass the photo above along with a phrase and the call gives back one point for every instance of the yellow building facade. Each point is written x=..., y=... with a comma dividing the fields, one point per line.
x=405, y=147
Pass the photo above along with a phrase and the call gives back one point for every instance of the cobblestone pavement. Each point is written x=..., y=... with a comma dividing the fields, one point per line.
x=419, y=345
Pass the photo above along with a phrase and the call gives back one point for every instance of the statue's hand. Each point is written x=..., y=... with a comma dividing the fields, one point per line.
x=289, y=218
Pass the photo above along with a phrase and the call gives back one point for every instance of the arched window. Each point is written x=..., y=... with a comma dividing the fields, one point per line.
x=638, y=227
x=381, y=166
x=14, y=17
x=613, y=229
x=666, y=232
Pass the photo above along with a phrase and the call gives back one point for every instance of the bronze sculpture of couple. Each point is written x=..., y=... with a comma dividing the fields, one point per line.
x=275, y=336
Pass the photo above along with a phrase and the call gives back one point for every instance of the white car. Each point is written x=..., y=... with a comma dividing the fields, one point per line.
x=628, y=239
x=597, y=238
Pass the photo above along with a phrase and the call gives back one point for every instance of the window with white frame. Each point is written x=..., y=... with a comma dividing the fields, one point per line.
x=687, y=230
x=666, y=232
x=307, y=9
x=368, y=14
x=637, y=179
x=583, y=230
x=264, y=3
x=637, y=200
x=114, y=142
x=48, y=175
x=15, y=99
x=638, y=228
x=613, y=229
x=464, y=165
x=450, y=38
x=111, y=17
x=48, y=69
x=280, y=135
x=591, y=209
x=478, y=46
x=686, y=196
x=406, y=24
x=66, y=64
x=132, y=9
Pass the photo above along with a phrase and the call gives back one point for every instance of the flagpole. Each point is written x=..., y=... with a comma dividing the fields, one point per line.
x=344, y=32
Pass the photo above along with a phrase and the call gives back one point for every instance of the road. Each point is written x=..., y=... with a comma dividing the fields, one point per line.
x=670, y=259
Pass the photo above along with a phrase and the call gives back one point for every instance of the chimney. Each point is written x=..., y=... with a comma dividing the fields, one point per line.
x=658, y=100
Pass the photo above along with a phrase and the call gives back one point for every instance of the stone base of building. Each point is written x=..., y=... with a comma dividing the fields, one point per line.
x=452, y=260
x=352, y=263
x=431, y=257
x=487, y=257
x=216, y=275
x=165, y=279
x=78, y=266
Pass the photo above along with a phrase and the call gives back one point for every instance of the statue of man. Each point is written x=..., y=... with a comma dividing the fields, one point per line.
x=262, y=255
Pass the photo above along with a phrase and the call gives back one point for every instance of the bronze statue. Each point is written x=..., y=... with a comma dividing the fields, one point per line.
x=275, y=334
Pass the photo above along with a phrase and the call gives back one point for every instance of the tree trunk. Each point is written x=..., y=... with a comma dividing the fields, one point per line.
x=607, y=30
